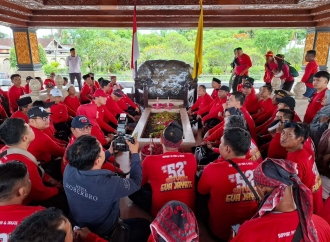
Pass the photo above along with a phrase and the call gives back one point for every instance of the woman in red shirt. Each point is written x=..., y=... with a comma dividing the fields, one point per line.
x=283, y=68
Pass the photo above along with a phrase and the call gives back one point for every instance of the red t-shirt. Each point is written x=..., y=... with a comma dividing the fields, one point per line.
x=201, y=103
x=269, y=74
x=11, y=216
x=72, y=103
x=86, y=93
x=311, y=68
x=251, y=103
x=309, y=175
x=244, y=62
x=59, y=113
x=113, y=107
x=43, y=147
x=231, y=201
x=27, y=88
x=39, y=192
x=278, y=227
x=172, y=177
x=19, y=114
x=286, y=74
x=266, y=109
x=314, y=106
x=49, y=81
x=214, y=94
x=213, y=109
x=14, y=93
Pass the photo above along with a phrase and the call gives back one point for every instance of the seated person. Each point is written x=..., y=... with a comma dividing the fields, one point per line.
x=96, y=84
x=113, y=81
x=15, y=188
x=27, y=85
x=50, y=80
x=216, y=84
x=3, y=114
x=72, y=101
x=321, y=120
x=50, y=225
x=15, y=92
x=43, y=147
x=126, y=104
x=251, y=100
x=171, y=175
x=266, y=106
x=49, y=87
x=231, y=202
x=246, y=79
x=286, y=207
x=178, y=215
x=24, y=104
x=86, y=93
x=293, y=138
x=105, y=86
x=95, y=206
x=17, y=135
x=112, y=104
x=65, y=81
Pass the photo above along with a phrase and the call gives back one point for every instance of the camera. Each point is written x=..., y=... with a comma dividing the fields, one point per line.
x=119, y=142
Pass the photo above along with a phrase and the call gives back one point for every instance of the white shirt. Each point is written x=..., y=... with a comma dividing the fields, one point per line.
x=74, y=64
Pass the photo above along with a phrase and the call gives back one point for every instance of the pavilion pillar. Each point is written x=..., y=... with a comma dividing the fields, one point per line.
x=318, y=39
x=27, y=53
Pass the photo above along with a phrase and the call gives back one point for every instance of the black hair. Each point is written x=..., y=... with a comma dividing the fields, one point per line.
x=85, y=76
x=12, y=131
x=239, y=140
x=83, y=152
x=41, y=226
x=235, y=121
x=288, y=114
x=239, y=48
x=104, y=83
x=203, y=87
x=38, y=103
x=235, y=49
x=13, y=76
x=268, y=87
x=324, y=74
x=65, y=78
x=20, y=108
x=300, y=130
x=39, y=78
x=173, y=132
x=91, y=73
x=100, y=80
x=11, y=173
x=311, y=52
x=239, y=96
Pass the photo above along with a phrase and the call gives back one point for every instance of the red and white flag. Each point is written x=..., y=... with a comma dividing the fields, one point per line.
x=135, y=45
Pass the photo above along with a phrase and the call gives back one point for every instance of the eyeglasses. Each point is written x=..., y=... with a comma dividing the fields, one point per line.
x=43, y=118
x=86, y=128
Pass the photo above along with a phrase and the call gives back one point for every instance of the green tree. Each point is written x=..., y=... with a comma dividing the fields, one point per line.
x=3, y=35
x=12, y=58
x=42, y=55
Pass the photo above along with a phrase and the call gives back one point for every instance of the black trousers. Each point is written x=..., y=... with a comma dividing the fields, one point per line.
x=236, y=82
x=143, y=198
x=287, y=86
x=58, y=201
x=78, y=77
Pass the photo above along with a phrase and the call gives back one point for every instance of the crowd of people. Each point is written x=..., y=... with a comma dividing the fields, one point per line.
x=260, y=173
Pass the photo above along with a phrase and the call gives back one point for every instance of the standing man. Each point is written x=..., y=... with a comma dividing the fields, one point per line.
x=310, y=70
x=74, y=63
x=242, y=68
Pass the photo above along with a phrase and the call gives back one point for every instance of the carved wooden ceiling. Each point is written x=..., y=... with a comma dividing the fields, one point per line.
x=164, y=13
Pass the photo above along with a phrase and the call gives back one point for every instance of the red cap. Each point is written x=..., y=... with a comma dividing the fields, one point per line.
x=270, y=53
x=100, y=93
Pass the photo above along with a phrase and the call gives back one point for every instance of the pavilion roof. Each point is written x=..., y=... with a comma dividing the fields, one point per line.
x=164, y=13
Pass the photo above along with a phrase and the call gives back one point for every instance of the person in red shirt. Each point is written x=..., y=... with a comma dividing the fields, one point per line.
x=15, y=187
x=231, y=201
x=43, y=147
x=311, y=68
x=216, y=84
x=105, y=86
x=283, y=68
x=269, y=67
x=286, y=207
x=96, y=84
x=113, y=80
x=24, y=104
x=51, y=225
x=126, y=104
x=51, y=80
x=242, y=68
x=17, y=135
x=246, y=79
x=27, y=85
x=266, y=106
x=72, y=101
x=171, y=175
x=65, y=81
x=251, y=100
x=112, y=105
x=41, y=83
x=320, y=83
x=86, y=93
x=15, y=92
x=293, y=137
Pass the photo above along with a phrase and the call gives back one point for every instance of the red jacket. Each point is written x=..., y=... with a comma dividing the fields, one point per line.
x=201, y=103
x=124, y=101
x=59, y=113
x=244, y=61
x=214, y=94
x=14, y=93
x=314, y=106
x=104, y=115
x=266, y=109
x=86, y=94
x=269, y=74
x=39, y=192
x=19, y=114
x=250, y=123
x=251, y=103
x=213, y=109
x=286, y=74
x=311, y=68
x=72, y=103
x=113, y=107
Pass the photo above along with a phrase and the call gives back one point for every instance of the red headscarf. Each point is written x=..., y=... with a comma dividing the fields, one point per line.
x=279, y=174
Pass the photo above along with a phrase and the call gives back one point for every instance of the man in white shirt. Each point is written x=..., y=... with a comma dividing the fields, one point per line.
x=74, y=62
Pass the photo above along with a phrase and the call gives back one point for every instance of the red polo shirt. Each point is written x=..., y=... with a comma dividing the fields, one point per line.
x=11, y=216
x=214, y=94
x=172, y=177
x=72, y=103
x=43, y=147
x=244, y=61
x=19, y=114
x=124, y=102
x=59, y=113
x=314, y=106
x=14, y=93
x=201, y=103
x=311, y=68
x=251, y=103
x=231, y=201
x=213, y=109
x=86, y=94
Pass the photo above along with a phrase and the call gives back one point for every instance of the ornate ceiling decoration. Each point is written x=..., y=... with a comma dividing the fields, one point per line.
x=309, y=4
x=13, y=10
x=268, y=1
x=169, y=7
x=31, y=4
x=72, y=2
x=165, y=2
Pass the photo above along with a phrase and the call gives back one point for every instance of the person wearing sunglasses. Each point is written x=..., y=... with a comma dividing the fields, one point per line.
x=50, y=80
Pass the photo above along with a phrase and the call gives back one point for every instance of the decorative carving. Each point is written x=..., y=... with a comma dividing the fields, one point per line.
x=299, y=89
x=59, y=81
x=34, y=48
x=22, y=48
x=268, y=1
x=167, y=2
x=322, y=47
x=72, y=2
x=31, y=4
x=276, y=83
x=300, y=5
x=309, y=44
x=35, y=88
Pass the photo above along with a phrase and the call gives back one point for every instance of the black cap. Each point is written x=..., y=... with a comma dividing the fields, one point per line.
x=289, y=101
x=281, y=93
x=24, y=101
x=216, y=80
x=42, y=104
x=37, y=112
x=224, y=88
x=72, y=49
x=250, y=80
x=29, y=78
x=247, y=84
x=80, y=122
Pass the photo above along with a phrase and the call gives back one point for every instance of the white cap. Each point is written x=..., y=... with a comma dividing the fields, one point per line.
x=56, y=93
